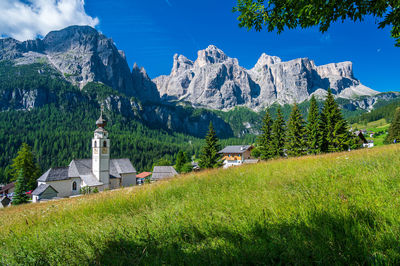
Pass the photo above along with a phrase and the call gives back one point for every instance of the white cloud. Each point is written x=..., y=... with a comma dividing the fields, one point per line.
x=28, y=19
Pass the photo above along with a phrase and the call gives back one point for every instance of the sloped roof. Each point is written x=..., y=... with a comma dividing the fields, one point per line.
x=55, y=174
x=42, y=188
x=83, y=168
x=235, y=149
x=160, y=172
x=6, y=187
x=143, y=175
x=123, y=166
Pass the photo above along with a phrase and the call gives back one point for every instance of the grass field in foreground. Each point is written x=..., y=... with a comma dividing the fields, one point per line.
x=339, y=208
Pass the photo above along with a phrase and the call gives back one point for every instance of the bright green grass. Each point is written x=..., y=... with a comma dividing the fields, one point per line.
x=339, y=208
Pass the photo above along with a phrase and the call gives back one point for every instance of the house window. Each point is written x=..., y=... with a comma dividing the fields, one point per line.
x=74, y=185
x=105, y=144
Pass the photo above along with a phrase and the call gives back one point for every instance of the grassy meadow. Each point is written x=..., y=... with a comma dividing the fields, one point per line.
x=341, y=208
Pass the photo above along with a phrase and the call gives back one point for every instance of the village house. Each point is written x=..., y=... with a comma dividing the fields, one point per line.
x=365, y=143
x=7, y=189
x=161, y=172
x=140, y=178
x=237, y=155
x=100, y=172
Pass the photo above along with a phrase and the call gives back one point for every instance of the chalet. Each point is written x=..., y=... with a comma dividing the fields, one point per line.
x=161, y=172
x=98, y=172
x=365, y=143
x=237, y=155
x=7, y=189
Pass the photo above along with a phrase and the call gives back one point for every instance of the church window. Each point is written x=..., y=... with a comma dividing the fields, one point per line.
x=95, y=144
x=105, y=144
x=74, y=185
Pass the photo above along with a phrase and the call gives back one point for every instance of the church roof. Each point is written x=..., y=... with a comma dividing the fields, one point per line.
x=160, y=172
x=42, y=188
x=55, y=174
x=82, y=168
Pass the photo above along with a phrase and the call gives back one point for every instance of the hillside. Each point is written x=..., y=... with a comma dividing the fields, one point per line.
x=342, y=208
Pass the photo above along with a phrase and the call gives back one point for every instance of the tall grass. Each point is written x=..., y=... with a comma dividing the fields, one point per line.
x=339, y=208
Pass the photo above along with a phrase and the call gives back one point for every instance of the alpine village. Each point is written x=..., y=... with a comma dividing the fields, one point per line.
x=284, y=161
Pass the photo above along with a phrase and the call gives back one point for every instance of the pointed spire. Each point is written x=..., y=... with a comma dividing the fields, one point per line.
x=101, y=122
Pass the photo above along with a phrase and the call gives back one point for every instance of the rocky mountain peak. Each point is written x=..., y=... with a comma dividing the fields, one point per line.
x=181, y=63
x=217, y=81
x=82, y=55
x=343, y=69
x=266, y=60
x=210, y=55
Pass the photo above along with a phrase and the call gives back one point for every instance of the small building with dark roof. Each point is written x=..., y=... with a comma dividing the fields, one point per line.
x=99, y=172
x=44, y=192
x=161, y=172
x=236, y=155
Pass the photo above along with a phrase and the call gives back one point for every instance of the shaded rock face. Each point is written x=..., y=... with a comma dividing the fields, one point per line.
x=145, y=89
x=28, y=99
x=82, y=55
x=217, y=81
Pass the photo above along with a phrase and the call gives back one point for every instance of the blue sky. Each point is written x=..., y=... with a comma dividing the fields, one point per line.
x=151, y=32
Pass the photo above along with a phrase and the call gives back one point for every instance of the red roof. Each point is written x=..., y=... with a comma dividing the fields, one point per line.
x=143, y=175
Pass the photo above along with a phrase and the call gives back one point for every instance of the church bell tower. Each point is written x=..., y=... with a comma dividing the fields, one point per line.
x=101, y=152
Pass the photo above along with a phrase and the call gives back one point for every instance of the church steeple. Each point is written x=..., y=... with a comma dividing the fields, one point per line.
x=101, y=151
x=101, y=122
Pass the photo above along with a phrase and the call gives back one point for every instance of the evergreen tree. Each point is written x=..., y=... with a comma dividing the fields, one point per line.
x=313, y=129
x=295, y=139
x=209, y=157
x=25, y=162
x=20, y=190
x=278, y=135
x=336, y=135
x=264, y=140
x=180, y=161
x=394, y=129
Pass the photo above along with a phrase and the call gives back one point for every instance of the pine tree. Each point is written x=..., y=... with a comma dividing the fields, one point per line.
x=394, y=129
x=264, y=140
x=20, y=190
x=278, y=135
x=209, y=157
x=313, y=130
x=336, y=135
x=25, y=162
x=180, y=161
x=295, y=138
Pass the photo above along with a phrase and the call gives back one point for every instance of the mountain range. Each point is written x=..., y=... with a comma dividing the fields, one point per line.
x=213, y=81
x=217, y=81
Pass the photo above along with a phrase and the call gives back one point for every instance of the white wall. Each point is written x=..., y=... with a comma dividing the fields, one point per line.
x=128, y=179
x=64, y=187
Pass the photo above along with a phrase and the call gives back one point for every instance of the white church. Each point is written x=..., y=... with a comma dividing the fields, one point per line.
x=99, y=172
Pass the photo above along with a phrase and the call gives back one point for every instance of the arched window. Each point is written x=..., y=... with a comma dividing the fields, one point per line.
x=74, y=185
x=95, y=144
x=105, y=144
